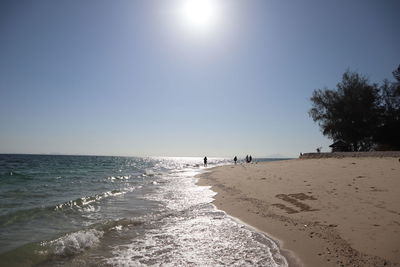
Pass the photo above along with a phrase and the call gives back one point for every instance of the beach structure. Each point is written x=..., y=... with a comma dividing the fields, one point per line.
x=339, y=146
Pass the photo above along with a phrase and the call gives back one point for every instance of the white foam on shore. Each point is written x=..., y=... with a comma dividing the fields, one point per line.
x=196, y=233
x=75, y=243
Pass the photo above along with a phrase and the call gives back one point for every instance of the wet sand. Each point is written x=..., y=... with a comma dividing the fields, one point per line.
x=326, y=212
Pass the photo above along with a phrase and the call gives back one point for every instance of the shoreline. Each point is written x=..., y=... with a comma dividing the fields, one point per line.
x=292, y=259
x=321, y=212
x=289, y=256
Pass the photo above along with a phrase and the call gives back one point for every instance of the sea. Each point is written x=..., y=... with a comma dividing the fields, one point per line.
x=120, y=211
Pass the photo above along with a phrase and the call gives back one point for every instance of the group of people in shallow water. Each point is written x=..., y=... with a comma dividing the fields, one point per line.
x=248, y=160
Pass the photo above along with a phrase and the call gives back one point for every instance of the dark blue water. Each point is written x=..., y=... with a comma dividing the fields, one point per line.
x=118, y=211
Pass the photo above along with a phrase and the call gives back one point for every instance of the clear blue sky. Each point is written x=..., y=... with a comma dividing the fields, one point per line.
x=128, y=78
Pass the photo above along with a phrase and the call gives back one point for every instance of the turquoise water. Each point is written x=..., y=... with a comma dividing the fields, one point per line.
x=118, y=211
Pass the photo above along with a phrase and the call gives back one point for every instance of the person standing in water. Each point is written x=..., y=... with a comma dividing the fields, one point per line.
x=205, y=161
x=235, y=159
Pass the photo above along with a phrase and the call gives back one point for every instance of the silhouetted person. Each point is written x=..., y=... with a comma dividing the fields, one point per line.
x=250, y=158
x=205, y=161
x=247, y=158
x=235, y=159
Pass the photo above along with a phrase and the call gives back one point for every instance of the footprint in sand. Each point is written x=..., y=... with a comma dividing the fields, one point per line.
x=285, y=208
x=294, y=200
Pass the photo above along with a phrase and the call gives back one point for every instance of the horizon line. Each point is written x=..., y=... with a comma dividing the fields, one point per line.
x=97, y=155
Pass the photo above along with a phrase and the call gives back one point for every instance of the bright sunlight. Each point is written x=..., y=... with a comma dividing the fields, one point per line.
x=199, y=15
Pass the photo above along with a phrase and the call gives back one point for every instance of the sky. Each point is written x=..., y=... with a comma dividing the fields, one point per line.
x=145, y=78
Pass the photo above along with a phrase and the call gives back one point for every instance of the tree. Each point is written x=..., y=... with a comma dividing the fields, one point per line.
x=350, y=113
x=388, y=132
x=396, y=74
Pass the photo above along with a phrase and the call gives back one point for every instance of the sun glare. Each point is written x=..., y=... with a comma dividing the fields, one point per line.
x=199, y=15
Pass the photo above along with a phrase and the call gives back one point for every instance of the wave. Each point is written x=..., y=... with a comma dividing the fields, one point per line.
x=73, y=243
x=67, y=245
x=119, y=177
x=83, y=201
x=76, y=242
x=39, y=253
x=73, y=205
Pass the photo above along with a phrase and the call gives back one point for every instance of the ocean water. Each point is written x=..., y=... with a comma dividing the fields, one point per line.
x=119, y=211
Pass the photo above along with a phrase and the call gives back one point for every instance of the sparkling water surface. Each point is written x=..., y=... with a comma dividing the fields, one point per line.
x=119, y=211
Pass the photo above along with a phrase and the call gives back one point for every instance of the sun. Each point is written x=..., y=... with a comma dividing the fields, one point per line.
x=199, y=15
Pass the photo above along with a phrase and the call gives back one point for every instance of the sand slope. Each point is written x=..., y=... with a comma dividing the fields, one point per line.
x=329, y=212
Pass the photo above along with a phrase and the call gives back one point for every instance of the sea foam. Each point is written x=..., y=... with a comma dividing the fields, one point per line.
x=75, y=243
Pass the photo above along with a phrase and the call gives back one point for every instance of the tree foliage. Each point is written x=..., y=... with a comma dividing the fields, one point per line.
x=366, y=116
x=387, y=135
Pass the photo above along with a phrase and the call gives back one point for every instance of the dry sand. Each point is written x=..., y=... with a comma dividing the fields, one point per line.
x=327, y=212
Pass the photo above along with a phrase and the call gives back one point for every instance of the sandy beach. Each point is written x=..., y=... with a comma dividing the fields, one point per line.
x=323, y=212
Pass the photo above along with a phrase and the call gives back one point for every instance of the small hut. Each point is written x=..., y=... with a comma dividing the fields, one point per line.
x=339, y=146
